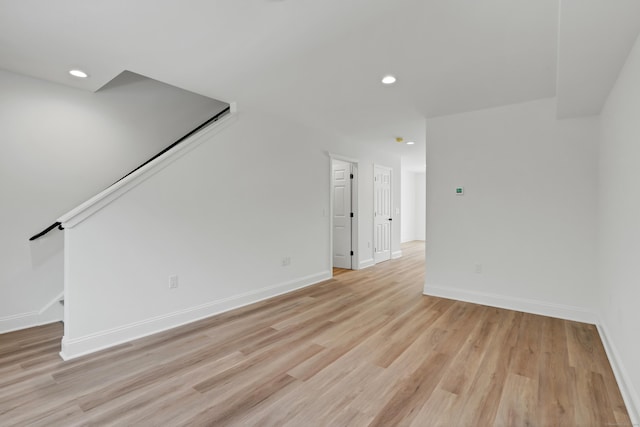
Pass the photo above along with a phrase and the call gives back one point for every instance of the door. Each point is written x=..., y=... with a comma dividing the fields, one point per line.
x=342, y=213
x=382, y=213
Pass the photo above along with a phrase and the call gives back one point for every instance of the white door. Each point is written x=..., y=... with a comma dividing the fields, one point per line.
x=382, y=213
x=342, y=213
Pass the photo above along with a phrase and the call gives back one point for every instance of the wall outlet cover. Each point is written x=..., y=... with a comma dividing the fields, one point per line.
x=173, y=282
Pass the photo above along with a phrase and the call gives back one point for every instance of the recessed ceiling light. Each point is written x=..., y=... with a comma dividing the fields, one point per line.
x=388, y=80
x=79, y=73
x=410, y=142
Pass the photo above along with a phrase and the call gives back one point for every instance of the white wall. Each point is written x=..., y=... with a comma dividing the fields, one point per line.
x=527, y=218
x=619, y=226
x=366, y=157
x=421, y=205
x=413, y=205
x=221, y=218
x=59, y=147
x=408, y=209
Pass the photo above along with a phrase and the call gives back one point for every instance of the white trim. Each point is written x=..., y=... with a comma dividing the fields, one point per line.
x=52, y=312
x=355, y=224
x=391, y=211
x=99, y=201
x=629, y=393
x=48, y=314
x=16, y=322
x=526, y=305
x=341, y=157
x=366, y=263
x=355, y=265
x=67, y=274
x=396, y=254
x=76, y=347
x=51, y=303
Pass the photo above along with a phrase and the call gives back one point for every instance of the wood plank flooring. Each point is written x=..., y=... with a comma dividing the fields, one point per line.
x=363, y=349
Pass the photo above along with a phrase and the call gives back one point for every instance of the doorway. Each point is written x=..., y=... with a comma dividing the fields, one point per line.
x=343, y=213
x=381, y=213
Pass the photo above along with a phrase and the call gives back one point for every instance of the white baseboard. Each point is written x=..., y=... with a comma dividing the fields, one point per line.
x=396, y=254
x=544, y=308
x=366, y=263
x=18, y=321
x=629, y=393
x=146, y=171
x=77, y=347
x=50, y=313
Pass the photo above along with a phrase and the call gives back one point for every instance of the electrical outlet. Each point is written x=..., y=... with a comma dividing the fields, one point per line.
x=286, y=261
x=173, y=282
x=478, y=268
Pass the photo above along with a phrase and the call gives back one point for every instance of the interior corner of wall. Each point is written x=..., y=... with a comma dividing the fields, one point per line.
x=627, y=389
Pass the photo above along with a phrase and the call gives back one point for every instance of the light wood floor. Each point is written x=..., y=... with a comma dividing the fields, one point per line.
x=365, y=348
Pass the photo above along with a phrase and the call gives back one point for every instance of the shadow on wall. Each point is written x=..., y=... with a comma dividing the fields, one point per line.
x=44, y=249
x=83, y=142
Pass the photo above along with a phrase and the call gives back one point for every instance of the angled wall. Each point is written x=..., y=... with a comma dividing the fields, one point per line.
x=619, y=227
x=59, y=147
x=523, y=234
x=220, y=217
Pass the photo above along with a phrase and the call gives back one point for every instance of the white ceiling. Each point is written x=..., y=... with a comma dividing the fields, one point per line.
x=595, y=39
x=321, y=61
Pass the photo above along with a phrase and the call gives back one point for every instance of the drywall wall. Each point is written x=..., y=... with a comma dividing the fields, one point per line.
x=408, y=209
x=421, y=205
x=523, y=234
x=59, y=147
x=220, y=218
x=413, y=205
x=361, y=152
x=619, y=228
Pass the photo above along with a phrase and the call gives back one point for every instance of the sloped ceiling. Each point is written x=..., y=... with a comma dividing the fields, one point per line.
x=595, y=39
x=321, y=61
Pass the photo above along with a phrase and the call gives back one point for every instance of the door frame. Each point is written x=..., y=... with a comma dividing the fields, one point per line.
x=355, y=264
x=375, y=165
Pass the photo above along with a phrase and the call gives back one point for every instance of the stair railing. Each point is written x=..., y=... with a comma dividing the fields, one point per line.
x=191, y=133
